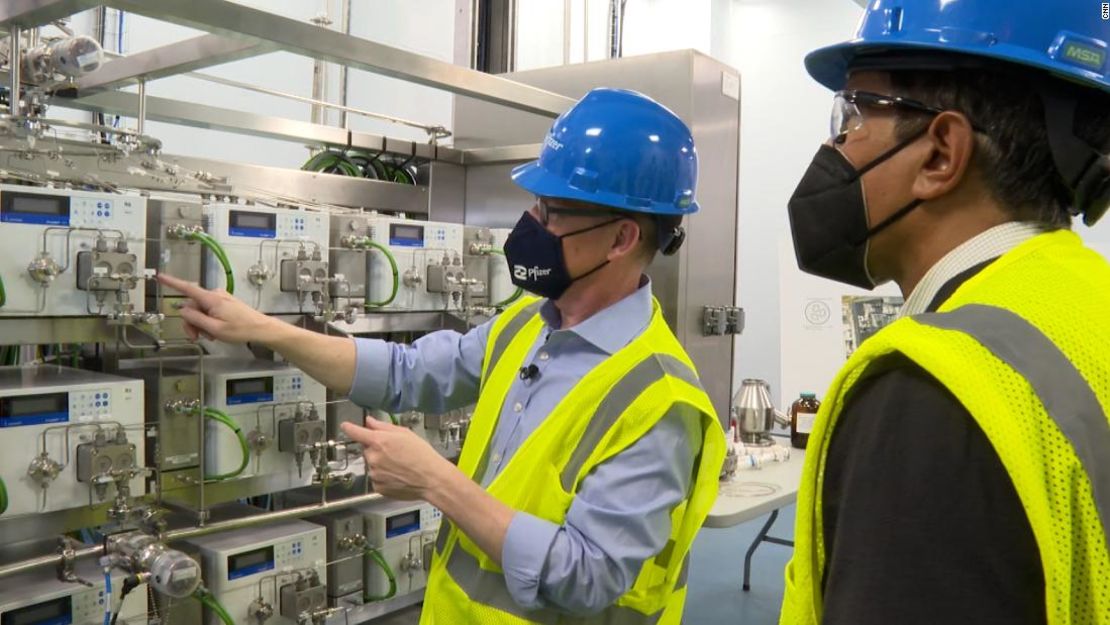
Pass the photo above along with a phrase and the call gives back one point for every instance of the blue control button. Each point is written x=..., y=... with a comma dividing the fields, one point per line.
x=99, y=213
x=107, y=213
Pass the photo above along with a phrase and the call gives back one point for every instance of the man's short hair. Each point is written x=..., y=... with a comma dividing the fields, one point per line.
x=1014, y=158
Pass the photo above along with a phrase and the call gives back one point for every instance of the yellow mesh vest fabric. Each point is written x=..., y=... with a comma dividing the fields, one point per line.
x=1063, y=289
x=532, y=481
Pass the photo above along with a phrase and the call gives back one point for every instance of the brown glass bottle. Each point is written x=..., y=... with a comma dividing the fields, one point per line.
x=803, y=412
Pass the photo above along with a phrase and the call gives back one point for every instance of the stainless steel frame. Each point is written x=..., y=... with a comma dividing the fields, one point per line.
x=238, y=21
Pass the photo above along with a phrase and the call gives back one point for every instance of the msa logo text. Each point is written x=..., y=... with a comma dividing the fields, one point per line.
x=520, y=272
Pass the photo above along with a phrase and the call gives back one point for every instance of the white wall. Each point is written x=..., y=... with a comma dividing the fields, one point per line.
x=784, y=118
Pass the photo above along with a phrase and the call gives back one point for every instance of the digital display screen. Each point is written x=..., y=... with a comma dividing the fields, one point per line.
x=406, y=235
x=33, y=208
x=250, y=562
x=54, y=612
x=248, y=390
x=40, y=205
x=402, y=523
x=253, y=221
x=34, y=409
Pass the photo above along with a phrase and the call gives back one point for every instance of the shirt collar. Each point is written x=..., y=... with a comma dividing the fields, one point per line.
x=985, y=246
x=611, y=328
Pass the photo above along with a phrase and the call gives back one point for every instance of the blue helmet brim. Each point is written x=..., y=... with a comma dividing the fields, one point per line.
x=830, y=65
x=533, y=178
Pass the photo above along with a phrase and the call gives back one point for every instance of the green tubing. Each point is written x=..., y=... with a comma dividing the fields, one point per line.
x=512, y=298
x=396, y=275
x=377, y=557
x=332, y=163
x=218, y=251
x=209, y=601
x=3, y=293
x=216, y=415
x=3, y=497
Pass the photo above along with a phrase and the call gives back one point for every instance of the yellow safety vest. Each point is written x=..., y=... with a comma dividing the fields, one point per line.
x=1025, y=347
x=610, y=408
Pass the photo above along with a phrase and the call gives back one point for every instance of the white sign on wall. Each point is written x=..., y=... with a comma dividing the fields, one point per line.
x=821, y=323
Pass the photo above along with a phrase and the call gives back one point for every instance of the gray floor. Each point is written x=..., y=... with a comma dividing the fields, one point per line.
x=716, y=570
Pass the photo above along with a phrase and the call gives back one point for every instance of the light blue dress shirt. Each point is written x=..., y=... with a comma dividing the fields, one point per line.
x=621, y=514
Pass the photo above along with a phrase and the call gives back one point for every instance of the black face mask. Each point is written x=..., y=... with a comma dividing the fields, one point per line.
x=535, y=257
x=828, y=217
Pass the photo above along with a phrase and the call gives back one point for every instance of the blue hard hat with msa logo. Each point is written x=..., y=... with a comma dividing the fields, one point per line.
x=1065, y=38
x=1058, y=47
x=620, y=149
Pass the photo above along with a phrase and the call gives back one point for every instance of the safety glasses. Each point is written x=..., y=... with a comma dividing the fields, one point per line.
x=847, y=117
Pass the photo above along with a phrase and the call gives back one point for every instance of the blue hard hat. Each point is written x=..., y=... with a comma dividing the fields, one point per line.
x=1066, y=38
x=620, y=149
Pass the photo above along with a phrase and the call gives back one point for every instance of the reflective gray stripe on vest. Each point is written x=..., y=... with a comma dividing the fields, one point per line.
x=1066, y=396
x=643, y=375
x=489, y=588
x=509, y=332
x=441, y=538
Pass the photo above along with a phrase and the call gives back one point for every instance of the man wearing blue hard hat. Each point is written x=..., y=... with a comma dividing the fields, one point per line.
x=959, y=471
x=593, y=453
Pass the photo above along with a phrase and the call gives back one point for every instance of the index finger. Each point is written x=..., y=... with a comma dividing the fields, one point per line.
x=358, y=433
x=201, y=295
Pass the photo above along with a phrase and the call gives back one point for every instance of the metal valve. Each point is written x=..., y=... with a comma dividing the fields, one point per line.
x=43, y=470
x=259, y=274
x=43, y=269
x=260, y=609
x=258, y=441
x=353, y=542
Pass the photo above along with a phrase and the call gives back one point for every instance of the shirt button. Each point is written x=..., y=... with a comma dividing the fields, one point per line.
x=496, y=458
x=544, y=356
x=517, y=407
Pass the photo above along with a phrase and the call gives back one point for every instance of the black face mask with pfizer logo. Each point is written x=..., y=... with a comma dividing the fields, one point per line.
x=535, y=257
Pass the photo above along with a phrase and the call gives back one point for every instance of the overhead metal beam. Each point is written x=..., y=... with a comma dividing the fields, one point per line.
x=228, y=120
x=171, y=60
x=32, y=13
x=237, y=21
x=501, y=154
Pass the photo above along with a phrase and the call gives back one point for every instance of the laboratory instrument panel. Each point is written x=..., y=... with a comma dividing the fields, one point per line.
x=278, y=256
x=404, y=532
x=40, y=598
x=71, y=253
x=428, y=257
x=276, y=570
x=278, y=409
x=72, y=438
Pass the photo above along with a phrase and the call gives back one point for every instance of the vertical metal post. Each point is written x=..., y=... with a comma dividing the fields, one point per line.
x=566, y=32
x=585, y=31
x=320, y=76
x=14, y=67
x=140, y=127
x=344, y=81
x=510, y=35
x=615, y=14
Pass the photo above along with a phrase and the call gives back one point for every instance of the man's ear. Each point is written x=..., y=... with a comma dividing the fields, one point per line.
x=950, y=144
x=627, y=238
